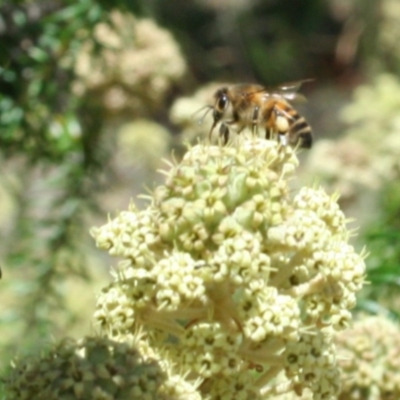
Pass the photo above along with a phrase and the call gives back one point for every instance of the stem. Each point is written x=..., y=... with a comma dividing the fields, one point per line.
x=264, y=355
x=315, y=285
x=161, y=321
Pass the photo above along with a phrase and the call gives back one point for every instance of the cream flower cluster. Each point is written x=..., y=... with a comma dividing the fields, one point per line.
x=366, y=158
x=374, y=120
x=136, y=66
x=369, y=355
x=234, y=279
x=98, y=369
x=92, y=368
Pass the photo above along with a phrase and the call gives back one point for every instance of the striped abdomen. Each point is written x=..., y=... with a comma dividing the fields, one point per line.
x=281, y=119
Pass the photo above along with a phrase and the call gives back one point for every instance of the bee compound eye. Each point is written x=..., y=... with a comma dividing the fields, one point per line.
x=222, y=102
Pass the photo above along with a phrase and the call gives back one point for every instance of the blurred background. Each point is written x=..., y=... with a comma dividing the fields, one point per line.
x=93, y=98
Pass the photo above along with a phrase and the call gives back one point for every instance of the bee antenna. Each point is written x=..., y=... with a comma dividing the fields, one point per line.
x=205, y=114
x=208, y=107
x=211, y=130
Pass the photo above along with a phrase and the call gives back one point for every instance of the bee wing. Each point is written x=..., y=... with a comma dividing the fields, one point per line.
x=289, y=91
x=294, y=97
x=292, y=86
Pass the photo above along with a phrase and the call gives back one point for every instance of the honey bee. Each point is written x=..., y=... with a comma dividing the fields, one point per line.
x=254, y=106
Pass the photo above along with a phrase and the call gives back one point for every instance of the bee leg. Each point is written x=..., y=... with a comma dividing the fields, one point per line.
x=283, y=139
x=224, y=132
x=268, y=115
x=282, y=122
x=211, y=130
x=254, y=120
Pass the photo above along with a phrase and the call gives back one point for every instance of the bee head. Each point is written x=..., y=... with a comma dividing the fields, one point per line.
x=221, y=103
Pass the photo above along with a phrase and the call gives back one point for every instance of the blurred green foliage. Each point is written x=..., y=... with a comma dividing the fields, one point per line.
x=373, y=120
x=48, y=129
x=38, y=114
x=383, y=238
x=268, y=42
